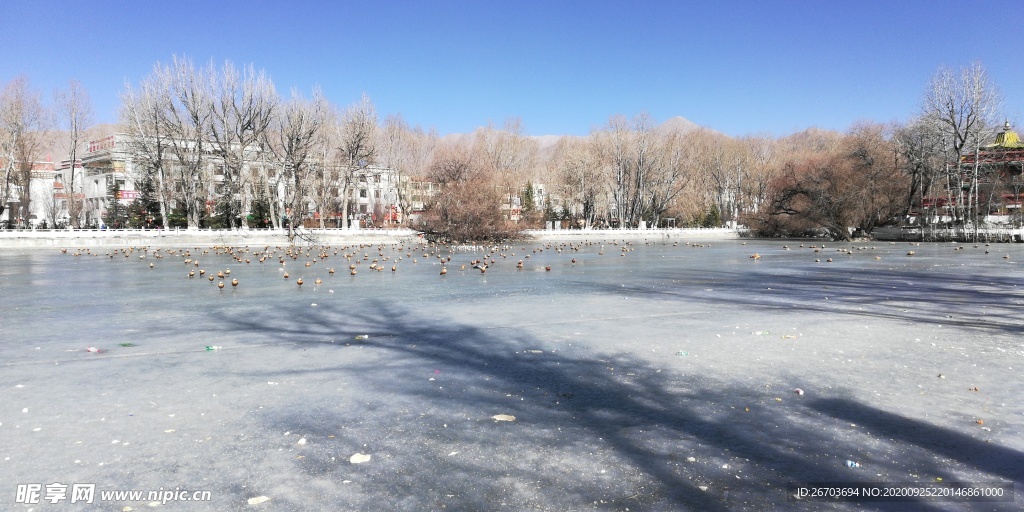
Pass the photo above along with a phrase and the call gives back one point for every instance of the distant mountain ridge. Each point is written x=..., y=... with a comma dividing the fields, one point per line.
x=678, y=124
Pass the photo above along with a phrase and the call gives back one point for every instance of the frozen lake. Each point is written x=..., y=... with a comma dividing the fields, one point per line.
x=644, y=376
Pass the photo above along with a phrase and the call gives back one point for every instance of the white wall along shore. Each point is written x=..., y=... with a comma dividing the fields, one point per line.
x=16, y=239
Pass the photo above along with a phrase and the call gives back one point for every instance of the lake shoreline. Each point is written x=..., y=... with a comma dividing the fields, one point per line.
x=29, y=239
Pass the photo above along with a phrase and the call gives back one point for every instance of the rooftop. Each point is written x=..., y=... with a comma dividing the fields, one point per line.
x=1006, y=139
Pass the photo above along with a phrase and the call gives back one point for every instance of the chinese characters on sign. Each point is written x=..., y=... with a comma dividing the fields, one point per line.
x=104, y=143
x=32, y=494
x=55, y=492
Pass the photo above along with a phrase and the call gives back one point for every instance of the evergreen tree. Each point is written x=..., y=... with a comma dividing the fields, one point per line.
x=713, y=218
x=220, y=217
x=150, y=201
x=527, y=199
x=178, y=218
x=143, y=212
x=136, y=214
x=259, y=215
x=116, y=215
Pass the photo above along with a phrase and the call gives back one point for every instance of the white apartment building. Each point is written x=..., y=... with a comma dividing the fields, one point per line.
x=43, y=206
x=376, y=194
x=373, y=192
x=101, y=163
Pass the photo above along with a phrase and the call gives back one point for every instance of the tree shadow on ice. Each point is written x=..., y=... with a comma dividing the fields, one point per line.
x=1001, y=462
x=588, y=433
x=957, y=299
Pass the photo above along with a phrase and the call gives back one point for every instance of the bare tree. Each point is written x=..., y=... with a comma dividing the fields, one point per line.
x=143, y=117
x=242, y=104
x=645, y=168
x=356, y=146
x=581, y=180
x=740, y=171
x=629, y=152
x=762, y=158
x=921, y=158
x=467, y=207
x=187, y=117
x=74, y=113
x=326, y=172
x=852, y=187
x=52, y=209
x=704, y=192
x=672, y=171
x=406, y=152
x=396, y=143
x=268, y=173
x=508, y=154
x=613, y=145
x=23, y=132
x=963, y=105
x=301, y=129
x=725, y=162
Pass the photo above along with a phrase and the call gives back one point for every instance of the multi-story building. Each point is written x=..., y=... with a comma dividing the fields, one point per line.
x=102, y=163
x=43, y=208
x=418, y=193
x=1001, y=169
x=375, y=194
x=997, y=170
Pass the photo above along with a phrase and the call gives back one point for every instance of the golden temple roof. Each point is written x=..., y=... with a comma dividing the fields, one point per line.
x=1006, y=139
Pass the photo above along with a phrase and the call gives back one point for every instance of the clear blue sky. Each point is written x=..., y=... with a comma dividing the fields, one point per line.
x=563, y=67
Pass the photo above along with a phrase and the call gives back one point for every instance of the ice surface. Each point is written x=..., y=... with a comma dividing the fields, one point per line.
x=654, y=376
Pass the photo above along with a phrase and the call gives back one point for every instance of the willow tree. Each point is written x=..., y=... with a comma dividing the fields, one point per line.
x=852, y=186
x=467, y=206
x=871, y=152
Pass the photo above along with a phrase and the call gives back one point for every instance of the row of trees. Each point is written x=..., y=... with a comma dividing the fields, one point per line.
x=279, y=158
x=632, y=171
x=219, y=142
x=920, y=171
x=813, y=182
